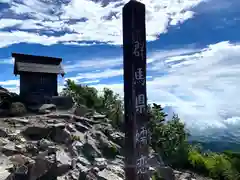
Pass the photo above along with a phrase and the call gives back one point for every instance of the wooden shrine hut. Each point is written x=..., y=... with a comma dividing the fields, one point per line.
x=38, y=77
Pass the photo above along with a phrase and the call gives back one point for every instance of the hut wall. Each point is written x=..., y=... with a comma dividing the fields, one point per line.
x=40, y=84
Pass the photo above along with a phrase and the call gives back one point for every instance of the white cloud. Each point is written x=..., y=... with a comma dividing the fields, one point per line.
x=93, y=64
x=108, y=73
x=51, y=16
x=90, y=82
x=9, y=22
x=9, y=83
x=7, y=61
x=203, y=87
x=6, y=1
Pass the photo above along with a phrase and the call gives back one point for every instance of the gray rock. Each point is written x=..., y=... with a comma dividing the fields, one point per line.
x=83, y=161
x=80, y=110
x=117, y=137
x=85, y=121
x=167, y=173
x=107, y=147
x=118, y=170
x=3, y=132
x=80, y=127
x=71, y=128
x=101, y=163
x=108, y=175
x=45, y=164
x=36, y=132
x=90, y=150
x=60, y=135
x=77, y=146
x=10, y=149
x=5, y=165
x=185, y=176
x=32, y=148
x=3, y=141
x=44, y=144
x=62, y=102
x=17, y=109
x=97, y=116
x=60, y=125
x=19, y=120
x=71, y=175
x=64, y=162
x=20, y=159
x=47, y=108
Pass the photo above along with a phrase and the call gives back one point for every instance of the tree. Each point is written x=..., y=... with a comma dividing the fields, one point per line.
x=81, y=94
x=169, y=138
x=112, y=106
x=109, y=103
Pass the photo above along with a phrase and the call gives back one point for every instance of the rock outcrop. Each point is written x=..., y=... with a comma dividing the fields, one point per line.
x=66, y=146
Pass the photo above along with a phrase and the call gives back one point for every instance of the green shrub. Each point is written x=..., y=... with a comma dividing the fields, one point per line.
x=197, y=161
x=108, y=103
x=169, y=138
x=156, y=176
x=216, y=166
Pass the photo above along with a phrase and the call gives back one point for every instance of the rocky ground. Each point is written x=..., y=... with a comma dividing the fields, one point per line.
x=69, y=145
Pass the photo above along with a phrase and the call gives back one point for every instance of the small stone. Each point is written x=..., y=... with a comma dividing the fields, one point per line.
x=44, y=144
x=97, y=116
x=101, y=163
x=83, y=161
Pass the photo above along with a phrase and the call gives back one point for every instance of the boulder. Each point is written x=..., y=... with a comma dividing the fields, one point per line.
x=108, y=148
x=42, y=108
x=80, y=110
x=62, y=102
x=47, y=108
x=36, y=132
x=17, y=109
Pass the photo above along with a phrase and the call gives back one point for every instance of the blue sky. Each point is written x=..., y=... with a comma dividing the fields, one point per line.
x=193, y=50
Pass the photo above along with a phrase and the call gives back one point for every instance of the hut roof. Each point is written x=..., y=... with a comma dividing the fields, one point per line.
x=41, y=64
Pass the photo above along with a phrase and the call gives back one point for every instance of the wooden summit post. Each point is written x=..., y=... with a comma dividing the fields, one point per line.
x=135, y=98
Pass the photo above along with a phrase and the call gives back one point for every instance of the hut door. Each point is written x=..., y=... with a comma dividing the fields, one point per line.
x=42, y=83
x=45, y=85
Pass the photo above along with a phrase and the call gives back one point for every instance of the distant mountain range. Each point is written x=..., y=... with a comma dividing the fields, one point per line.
x=218, y=146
